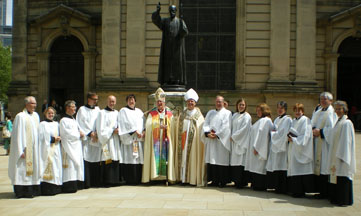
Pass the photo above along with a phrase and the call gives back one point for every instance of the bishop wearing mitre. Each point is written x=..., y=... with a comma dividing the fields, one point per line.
x=158, y=144
x=189, y=151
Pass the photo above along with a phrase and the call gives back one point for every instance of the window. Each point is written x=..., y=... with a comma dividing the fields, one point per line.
x=210, y=45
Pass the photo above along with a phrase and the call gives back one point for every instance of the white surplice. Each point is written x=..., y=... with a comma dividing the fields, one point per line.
x=342, y=149
x=50, y=150
x=106, y=123
x=86, y=118
x=129, y=121
x=322, y=119
x=217, y=151
x=260, y=141
x=241, y=131
x=300, y=151
x=72, y=146
x=17, y=165
x=277, y=158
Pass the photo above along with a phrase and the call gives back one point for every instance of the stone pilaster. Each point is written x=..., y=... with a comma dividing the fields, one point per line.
x=43, y=77
x=111, y=43
x=280, y=45
x=240, y=40
x=89, y=71
x=111, y=35
x=306, y=45
x=135, y=45
x=331, y=72
x=19, y=86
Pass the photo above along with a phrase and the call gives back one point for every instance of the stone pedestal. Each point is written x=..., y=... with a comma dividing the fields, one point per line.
x=174, y=101
x=174, y=88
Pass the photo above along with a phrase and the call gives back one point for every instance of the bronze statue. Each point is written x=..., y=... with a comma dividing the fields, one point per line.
x=172, y=65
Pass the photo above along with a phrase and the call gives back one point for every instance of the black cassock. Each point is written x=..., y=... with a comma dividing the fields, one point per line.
x=172, y=65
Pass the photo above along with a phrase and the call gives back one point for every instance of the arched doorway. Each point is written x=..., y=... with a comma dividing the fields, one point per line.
x=349, y=77
x=66, y=77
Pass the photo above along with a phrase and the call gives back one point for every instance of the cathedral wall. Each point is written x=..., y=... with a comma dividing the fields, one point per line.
x=255, y=50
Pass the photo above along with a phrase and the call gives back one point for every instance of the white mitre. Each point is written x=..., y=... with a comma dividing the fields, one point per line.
x=191, y=94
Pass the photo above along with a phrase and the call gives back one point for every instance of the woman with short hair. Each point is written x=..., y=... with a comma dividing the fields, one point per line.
x=257, y=153
x=341, y=162
x=131, y=132
x=300, y=154
x=277, y=160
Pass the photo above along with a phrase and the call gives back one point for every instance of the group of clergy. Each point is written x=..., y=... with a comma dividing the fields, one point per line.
x=96, y=148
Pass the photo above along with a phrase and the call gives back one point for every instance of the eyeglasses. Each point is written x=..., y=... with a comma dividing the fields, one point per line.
x=95, y=99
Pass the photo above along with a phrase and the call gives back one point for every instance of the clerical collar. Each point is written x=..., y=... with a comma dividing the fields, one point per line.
x=130, y=107
x=324, y=109
x=281, y=116
x=108, y=109
x=88, y=106
x=68, y=116
x=48, y=120
x=219, y=109
x=299, y=117
x=317, y=107
x=340, y=118
x=29, y=112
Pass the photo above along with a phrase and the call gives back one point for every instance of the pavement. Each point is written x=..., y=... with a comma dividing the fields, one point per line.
x=172, y=200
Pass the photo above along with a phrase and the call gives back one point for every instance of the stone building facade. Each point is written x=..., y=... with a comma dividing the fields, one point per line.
x=281, y=50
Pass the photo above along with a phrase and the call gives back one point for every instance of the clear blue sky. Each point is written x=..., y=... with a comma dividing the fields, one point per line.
x=9, y=12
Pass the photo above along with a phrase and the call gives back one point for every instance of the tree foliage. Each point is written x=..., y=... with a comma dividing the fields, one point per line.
x=5, y=71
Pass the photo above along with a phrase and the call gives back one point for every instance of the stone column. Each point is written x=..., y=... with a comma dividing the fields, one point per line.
x=331, y=72
x=280, y=45
x=240, y=40
x=111, y=46
x=306, y=45
x=135, y=45
x=19, y=86
x=89, y=71
x=43, y=77
x=111, y=30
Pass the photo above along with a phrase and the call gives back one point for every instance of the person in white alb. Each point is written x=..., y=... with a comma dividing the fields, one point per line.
x=72, y=150
x=277, y=159
x=258, y=149
x=86, y=118
x=241, y=131
x=51, y=170
x=300, y=154
x=24, y=155
x=217, y=140
x=322, y=122
x=107, y=131
x=131, y=132
x=341, y=163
